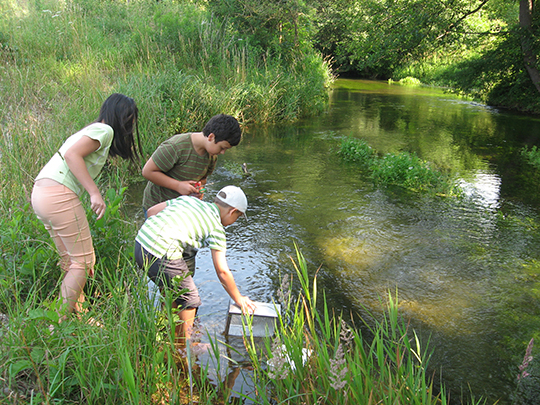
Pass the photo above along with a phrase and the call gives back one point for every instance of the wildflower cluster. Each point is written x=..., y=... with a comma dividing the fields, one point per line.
x=284, y=292
x=526, y=360
x=279, y=363
x=338, y=367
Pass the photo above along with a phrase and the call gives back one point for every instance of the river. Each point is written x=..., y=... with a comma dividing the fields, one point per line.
x=466, y=269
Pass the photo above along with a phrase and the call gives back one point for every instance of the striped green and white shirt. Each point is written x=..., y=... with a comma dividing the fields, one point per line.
x=186, y=221
x=176, y=157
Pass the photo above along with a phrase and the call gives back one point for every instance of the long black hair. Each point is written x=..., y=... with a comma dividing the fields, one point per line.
x=121, y=113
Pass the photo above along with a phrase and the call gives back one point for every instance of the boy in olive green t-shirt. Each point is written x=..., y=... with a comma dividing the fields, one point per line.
x=185, y=159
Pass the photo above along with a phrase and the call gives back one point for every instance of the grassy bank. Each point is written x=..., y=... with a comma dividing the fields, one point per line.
x=131, y=357
x=59, y=60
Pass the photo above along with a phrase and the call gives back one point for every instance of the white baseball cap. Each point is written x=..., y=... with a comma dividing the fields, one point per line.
x=235, y=197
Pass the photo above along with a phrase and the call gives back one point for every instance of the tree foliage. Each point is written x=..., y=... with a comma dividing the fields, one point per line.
x=487, y=48
x=280, y=28
x=505, y=74
x=375, y=37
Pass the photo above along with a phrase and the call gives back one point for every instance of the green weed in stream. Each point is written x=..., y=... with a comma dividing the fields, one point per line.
x=403, y=169
x=531, y=156
x=356, y=150
x=408, y=170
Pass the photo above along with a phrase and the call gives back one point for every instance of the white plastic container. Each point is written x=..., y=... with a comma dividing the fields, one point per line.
x=263, y=320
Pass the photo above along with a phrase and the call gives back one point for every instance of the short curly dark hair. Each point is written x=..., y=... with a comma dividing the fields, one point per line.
x=225, y=128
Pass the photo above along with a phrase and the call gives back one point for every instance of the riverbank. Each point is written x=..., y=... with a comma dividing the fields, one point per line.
x=120, y=351
x=181, y=66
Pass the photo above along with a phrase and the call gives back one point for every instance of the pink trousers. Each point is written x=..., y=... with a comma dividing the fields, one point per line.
x=62, y=213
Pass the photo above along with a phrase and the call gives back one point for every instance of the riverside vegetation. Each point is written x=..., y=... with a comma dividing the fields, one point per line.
x=60, y=59
x=131, y=358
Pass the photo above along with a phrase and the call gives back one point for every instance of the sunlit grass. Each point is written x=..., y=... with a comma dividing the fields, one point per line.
x=60, y=60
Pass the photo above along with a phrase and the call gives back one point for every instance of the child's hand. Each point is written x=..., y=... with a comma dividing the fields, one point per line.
x=247, y=306
x=199, y=190
x=187, y=187
x=97, y=204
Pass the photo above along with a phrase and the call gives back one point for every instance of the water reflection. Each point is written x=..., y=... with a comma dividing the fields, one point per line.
x=484, y=189
x=459, y=264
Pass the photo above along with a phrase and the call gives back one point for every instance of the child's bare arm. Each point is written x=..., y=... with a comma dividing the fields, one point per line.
x=156, y=208
x=227, y=280
x=74, y=157
x=154, y=174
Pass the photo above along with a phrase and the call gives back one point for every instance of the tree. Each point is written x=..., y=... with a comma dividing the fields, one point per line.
x=526, y=18
x=504, y=72
x=379, y=36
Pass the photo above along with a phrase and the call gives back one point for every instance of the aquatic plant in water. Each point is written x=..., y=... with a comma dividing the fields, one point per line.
x=403, y=169
x=356, y=150
x=531, y=156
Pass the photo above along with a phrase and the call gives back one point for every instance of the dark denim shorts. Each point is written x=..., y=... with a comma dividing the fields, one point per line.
x=162, y=271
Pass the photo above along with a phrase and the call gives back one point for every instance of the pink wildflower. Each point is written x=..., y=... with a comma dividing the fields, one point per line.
x=526, y=360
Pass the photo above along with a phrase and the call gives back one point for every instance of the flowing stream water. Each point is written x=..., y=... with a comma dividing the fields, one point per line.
x=465, y=269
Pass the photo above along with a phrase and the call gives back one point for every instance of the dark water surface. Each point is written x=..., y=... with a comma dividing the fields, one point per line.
x=465, y=268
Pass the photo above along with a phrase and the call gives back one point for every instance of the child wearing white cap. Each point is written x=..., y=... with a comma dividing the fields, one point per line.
x=187, y=221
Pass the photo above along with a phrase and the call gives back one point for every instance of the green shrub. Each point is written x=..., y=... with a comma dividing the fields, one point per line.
x=531, y=156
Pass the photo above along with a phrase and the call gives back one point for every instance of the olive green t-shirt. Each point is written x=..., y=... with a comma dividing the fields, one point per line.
x=177, y=158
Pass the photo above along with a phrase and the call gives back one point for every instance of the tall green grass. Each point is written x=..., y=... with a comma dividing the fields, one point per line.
x=59, y=60
x=131, y=358
x=76, y=361
x=316, y=357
